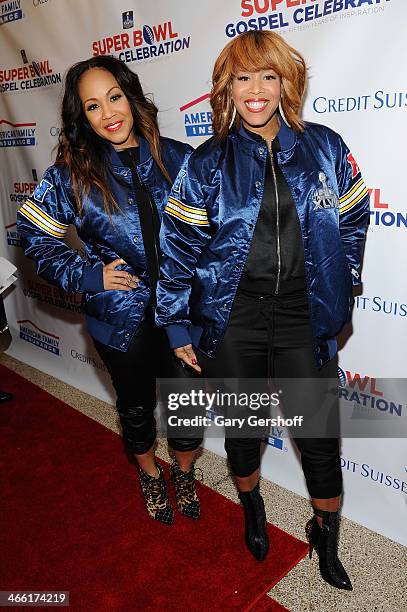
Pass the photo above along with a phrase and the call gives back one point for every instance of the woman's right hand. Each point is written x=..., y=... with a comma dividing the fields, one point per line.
x=187, y=355
x=118, y=279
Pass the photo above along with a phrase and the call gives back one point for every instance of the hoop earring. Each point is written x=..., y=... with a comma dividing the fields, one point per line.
x=233, y=117
x=283, y=117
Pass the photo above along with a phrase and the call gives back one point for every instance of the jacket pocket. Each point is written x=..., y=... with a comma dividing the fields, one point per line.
x=105, y=305
x=95, y=305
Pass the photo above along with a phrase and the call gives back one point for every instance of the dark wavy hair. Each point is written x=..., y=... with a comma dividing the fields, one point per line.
x=83, y=151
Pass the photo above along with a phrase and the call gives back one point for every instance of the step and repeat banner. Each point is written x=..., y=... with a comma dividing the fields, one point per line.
x=357, y=59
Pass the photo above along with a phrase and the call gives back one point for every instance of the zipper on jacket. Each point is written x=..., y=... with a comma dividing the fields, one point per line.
x=277, y=287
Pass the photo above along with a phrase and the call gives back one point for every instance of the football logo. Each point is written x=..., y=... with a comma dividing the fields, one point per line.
x=148, y=35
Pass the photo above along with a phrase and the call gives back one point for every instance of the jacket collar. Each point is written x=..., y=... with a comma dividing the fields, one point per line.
x=145, y=154
x=286, y=137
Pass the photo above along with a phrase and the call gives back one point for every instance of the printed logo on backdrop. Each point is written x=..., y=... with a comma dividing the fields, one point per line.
x=379, y=100
x=10, y=10
x=13, y=237
x=17, y=134
x=37, y=3
x=22, y=189
x=197, y=122
x=88, y=360
x=128, y=20
x=54, y=131
x=30, y=332
x=29, y=76
x=141, y=42
x=369, y=472
x=276, y=439
x=292, y=15
x=380, y=215
x=53, y=296
x=382, y=306
x=364, y=393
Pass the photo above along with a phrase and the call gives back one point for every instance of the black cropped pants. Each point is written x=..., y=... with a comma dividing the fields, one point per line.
x=133, y=375
x=271, y=335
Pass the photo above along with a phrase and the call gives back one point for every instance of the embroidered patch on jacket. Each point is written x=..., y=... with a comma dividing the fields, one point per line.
x=41, y=190
x=357, y=192
x=324, y=197
x=42, y=220
x=188, y=214
x=178, y=182
x=353, y=163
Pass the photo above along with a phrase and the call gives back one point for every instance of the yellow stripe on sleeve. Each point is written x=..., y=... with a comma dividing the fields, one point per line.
x=190, y=220
x=188, y=209
x=28, y=215
x=353, y=203
x=43, y=221
x=190, y=216
x=351, y=191
x=61, y=226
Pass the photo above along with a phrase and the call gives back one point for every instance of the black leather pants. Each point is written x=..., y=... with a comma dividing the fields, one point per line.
x=271, y=336
x=133, y=375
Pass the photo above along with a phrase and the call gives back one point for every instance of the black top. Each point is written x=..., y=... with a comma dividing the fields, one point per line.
x=275, y=219
x=149, y=218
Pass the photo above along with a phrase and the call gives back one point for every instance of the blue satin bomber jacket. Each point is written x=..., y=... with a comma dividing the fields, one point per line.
x=112, y=316
x=210, y=218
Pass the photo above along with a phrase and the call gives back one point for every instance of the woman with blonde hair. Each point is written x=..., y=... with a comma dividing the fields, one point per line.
x=262, y=241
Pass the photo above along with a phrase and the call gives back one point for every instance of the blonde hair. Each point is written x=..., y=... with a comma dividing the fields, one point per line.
x=253, y=51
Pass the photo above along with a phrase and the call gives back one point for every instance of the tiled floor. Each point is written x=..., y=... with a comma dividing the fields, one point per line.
x=377, y=566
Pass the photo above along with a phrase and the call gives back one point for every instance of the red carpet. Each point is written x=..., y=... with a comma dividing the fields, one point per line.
x=74, y=521
x=267, y=604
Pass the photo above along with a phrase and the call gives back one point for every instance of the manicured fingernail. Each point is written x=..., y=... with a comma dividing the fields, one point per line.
x=193, y=361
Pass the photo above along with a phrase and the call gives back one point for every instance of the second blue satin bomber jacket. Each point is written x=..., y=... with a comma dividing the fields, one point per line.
x=112, y=316
x=210, y=218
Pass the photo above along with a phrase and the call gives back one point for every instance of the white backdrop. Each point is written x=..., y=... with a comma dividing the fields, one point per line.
x=357, y=59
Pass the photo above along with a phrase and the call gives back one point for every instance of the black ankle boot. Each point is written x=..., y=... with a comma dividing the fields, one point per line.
x=257, y=540
x=325, y=542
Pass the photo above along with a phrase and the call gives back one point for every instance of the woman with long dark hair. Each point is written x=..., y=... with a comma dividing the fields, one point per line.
x=274, y=212
x=112, y=176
